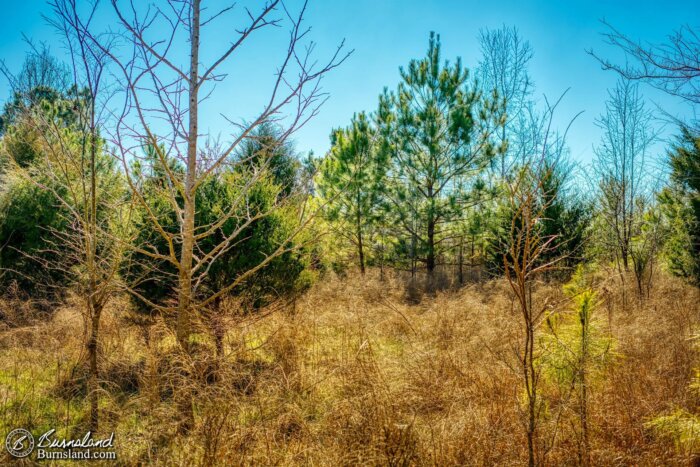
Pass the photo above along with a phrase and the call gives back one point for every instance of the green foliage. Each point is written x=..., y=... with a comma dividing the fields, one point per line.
x=20, y=145
x=267, y=149
x=563, y=221
x=681, y=426
x=646, y=244
x=224, y=195
x=22, y=104
x=151, y=278
x=680, y=205
x=281, y=276
x=28, y=215
x=578, y=346
x=43, y=180
x=351, y=179
x=432, y=128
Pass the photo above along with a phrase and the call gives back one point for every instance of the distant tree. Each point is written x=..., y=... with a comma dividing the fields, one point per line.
x=680, y=204
x=564, y=219
x=43, y=78
x=351, y=179
x=564, y=212
x=28, y=215
x=646, y=246
x=621, y=167
x=435, y=128
x=504, y=70
x=472, y=232
x=267, y=148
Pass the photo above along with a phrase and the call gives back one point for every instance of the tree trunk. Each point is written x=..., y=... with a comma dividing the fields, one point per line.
x=430, y=259
x=95, y=311
x=529, y=373
x=185, y=273
x=360, y=247
x=218, y=326
x=413, y=254
x=381, y=261
x=461, y=261
x=95, y=305
x=625, y=260
x=586, y=448
x=185, y=276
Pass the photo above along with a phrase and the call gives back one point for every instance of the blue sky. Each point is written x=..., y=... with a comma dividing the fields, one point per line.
x=386, y=34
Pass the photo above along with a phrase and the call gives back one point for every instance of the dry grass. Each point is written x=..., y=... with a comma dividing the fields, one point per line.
x=356, y=375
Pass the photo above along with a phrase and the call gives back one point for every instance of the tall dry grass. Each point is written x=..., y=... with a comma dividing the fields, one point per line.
x=357, y=373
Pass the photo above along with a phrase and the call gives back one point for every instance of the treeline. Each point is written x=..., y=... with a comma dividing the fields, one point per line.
x=451, y=172
x=425, y=183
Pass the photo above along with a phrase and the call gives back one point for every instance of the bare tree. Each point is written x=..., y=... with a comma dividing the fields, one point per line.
x=620, y=165
x=531, y=252
x=82, y=178
x=162, y=69
x=503, y=69
x=673, y=67
x=92, y=240
x=645, y=247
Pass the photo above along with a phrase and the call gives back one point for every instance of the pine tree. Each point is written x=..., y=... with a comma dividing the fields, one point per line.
x=433, y=127
x=680, y=202
x=351, y=181
x=564, y=220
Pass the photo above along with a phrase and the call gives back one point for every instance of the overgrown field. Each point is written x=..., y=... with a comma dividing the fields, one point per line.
x=354, y=374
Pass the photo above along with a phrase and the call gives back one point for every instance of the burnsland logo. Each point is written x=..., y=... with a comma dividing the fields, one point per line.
x=20, y=443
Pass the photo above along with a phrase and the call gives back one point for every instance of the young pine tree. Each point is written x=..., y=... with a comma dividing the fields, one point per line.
x=680, y=203
x=351, y=179
x=435, y=128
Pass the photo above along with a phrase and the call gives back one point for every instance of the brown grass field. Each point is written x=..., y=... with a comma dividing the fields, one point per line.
x=351, y=374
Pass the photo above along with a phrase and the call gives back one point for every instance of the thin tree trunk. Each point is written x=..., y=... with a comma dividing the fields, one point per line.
x=461, y=261
x=360, y=246
x=381, y=260
x=472, y=263
x=185, y=273
x=586, y=456
x=94, y=304
x=413, y=254
x=639, y=276
x=95, y=311
x=218, y=328
x=430, y=259
x=185, y=276
x=529, y=372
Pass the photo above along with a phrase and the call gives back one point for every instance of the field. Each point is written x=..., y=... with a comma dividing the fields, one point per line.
x=355, y=373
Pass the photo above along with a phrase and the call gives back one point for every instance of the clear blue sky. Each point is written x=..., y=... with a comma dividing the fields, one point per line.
x=386, y=34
